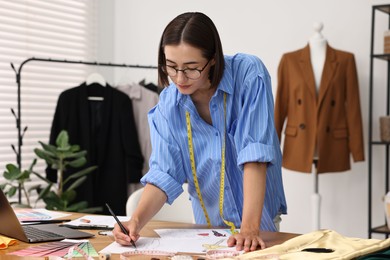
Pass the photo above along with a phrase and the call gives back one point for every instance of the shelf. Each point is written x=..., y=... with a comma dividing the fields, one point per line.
x=382, y=56
x=386, y=57
x=379, y=143
x=381, y=229
x=383, y=8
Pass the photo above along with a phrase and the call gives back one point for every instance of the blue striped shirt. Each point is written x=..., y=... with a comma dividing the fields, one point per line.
x=250, y=137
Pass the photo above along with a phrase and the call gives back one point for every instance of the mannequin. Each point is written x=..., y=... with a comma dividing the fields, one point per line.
x=317, y=111
x=317, y=44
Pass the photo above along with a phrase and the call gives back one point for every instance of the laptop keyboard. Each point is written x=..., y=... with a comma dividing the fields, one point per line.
x=36, y=235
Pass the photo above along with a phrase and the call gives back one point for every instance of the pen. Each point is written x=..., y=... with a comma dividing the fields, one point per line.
x=120, y=225
x=46, y=221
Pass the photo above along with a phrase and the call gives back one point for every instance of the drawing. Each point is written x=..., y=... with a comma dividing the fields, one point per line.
x=217, y=234
x=216, y=245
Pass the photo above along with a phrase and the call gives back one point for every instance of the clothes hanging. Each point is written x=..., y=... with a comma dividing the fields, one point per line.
x=142, y=100
x=332, y=120
x=106, y=129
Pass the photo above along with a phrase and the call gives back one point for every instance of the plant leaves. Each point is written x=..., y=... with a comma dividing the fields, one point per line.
x=12, y=172
x=12, y=191
x=62, y=140
x=45, y=192
x=25, y=175
x=78, y=162
x=50, y=149
x=80, y=173
x=33, y=163
x=41, y=177
x=75, y=148
x=53, y=202
x=45, y=155
x=75, y=155
x=91, y=210
x=68, y=195
x=77, y=206
x=77, y=183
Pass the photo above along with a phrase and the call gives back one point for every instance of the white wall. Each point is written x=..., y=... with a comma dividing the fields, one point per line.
x=269, y=28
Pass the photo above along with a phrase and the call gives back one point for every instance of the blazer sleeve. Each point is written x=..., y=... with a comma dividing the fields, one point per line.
x=281, y=102
x=354, y=117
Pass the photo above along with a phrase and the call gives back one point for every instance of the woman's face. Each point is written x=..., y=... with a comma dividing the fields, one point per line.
x=182, y=57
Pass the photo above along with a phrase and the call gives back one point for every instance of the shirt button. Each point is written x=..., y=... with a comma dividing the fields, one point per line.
x=302, y=126
x=227, y=187
x=216, y=133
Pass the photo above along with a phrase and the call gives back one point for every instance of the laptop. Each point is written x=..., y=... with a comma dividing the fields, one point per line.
x=11, y=227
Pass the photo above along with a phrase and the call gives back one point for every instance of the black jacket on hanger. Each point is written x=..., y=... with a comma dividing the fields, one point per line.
x=106, y=129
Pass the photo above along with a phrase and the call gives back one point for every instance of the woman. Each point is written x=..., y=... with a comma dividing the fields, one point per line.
x=213, y=127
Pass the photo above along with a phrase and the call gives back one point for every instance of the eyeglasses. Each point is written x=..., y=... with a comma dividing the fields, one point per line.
x=189, y=73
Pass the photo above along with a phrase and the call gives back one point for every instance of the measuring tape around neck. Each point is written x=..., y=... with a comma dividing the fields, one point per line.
x=222, y=173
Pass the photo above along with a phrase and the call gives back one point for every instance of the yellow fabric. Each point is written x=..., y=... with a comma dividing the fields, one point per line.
x=344, y=247
x=6, y=241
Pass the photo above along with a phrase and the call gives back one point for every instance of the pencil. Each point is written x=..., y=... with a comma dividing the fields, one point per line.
x=120, y=225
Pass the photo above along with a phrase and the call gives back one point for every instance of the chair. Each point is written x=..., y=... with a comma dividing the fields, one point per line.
x=179, y=211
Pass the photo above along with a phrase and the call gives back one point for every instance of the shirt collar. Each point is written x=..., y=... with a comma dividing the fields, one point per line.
x=225, y=85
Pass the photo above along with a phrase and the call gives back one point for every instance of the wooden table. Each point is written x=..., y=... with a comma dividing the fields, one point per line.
x=100, y=241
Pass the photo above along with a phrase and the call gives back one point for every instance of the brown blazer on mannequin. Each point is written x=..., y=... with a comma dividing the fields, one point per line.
x=331, y=120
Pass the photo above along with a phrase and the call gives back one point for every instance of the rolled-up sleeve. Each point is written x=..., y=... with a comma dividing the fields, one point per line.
x=255, y=132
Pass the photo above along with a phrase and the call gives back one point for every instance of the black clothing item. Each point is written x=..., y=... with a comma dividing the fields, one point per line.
x=106, y=129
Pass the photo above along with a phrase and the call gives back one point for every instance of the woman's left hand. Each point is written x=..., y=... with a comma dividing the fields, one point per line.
x=247, y=241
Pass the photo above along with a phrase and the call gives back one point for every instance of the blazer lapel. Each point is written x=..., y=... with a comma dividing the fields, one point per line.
x=328, y=72
x=307, y=71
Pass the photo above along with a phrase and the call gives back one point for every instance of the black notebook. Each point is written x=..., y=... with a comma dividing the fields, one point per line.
x=11, y=227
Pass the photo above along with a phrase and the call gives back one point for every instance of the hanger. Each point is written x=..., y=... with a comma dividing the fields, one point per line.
x=150, y=86
x=142, y=82
x=98, y=79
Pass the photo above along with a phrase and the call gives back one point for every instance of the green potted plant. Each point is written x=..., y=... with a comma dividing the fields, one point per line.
x=56, y=197
x=60, y=157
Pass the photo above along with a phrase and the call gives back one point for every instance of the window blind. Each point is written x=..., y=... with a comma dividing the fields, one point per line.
x=47, y=29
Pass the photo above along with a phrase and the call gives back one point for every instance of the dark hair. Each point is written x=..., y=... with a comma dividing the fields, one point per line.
x=199, y=31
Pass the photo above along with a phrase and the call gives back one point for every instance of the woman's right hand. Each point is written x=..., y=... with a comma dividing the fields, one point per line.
x=133, y=232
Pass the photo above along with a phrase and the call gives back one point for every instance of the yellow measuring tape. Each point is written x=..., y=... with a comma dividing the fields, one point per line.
x=222, y=174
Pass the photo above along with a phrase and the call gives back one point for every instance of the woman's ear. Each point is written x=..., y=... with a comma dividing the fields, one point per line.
x=212, y=61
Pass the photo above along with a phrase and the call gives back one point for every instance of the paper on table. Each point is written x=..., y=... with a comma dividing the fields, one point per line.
x=27, y=214
x=91, y=221
x=183, y=245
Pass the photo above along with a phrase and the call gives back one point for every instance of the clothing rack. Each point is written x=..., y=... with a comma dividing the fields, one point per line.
x=18, y=74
